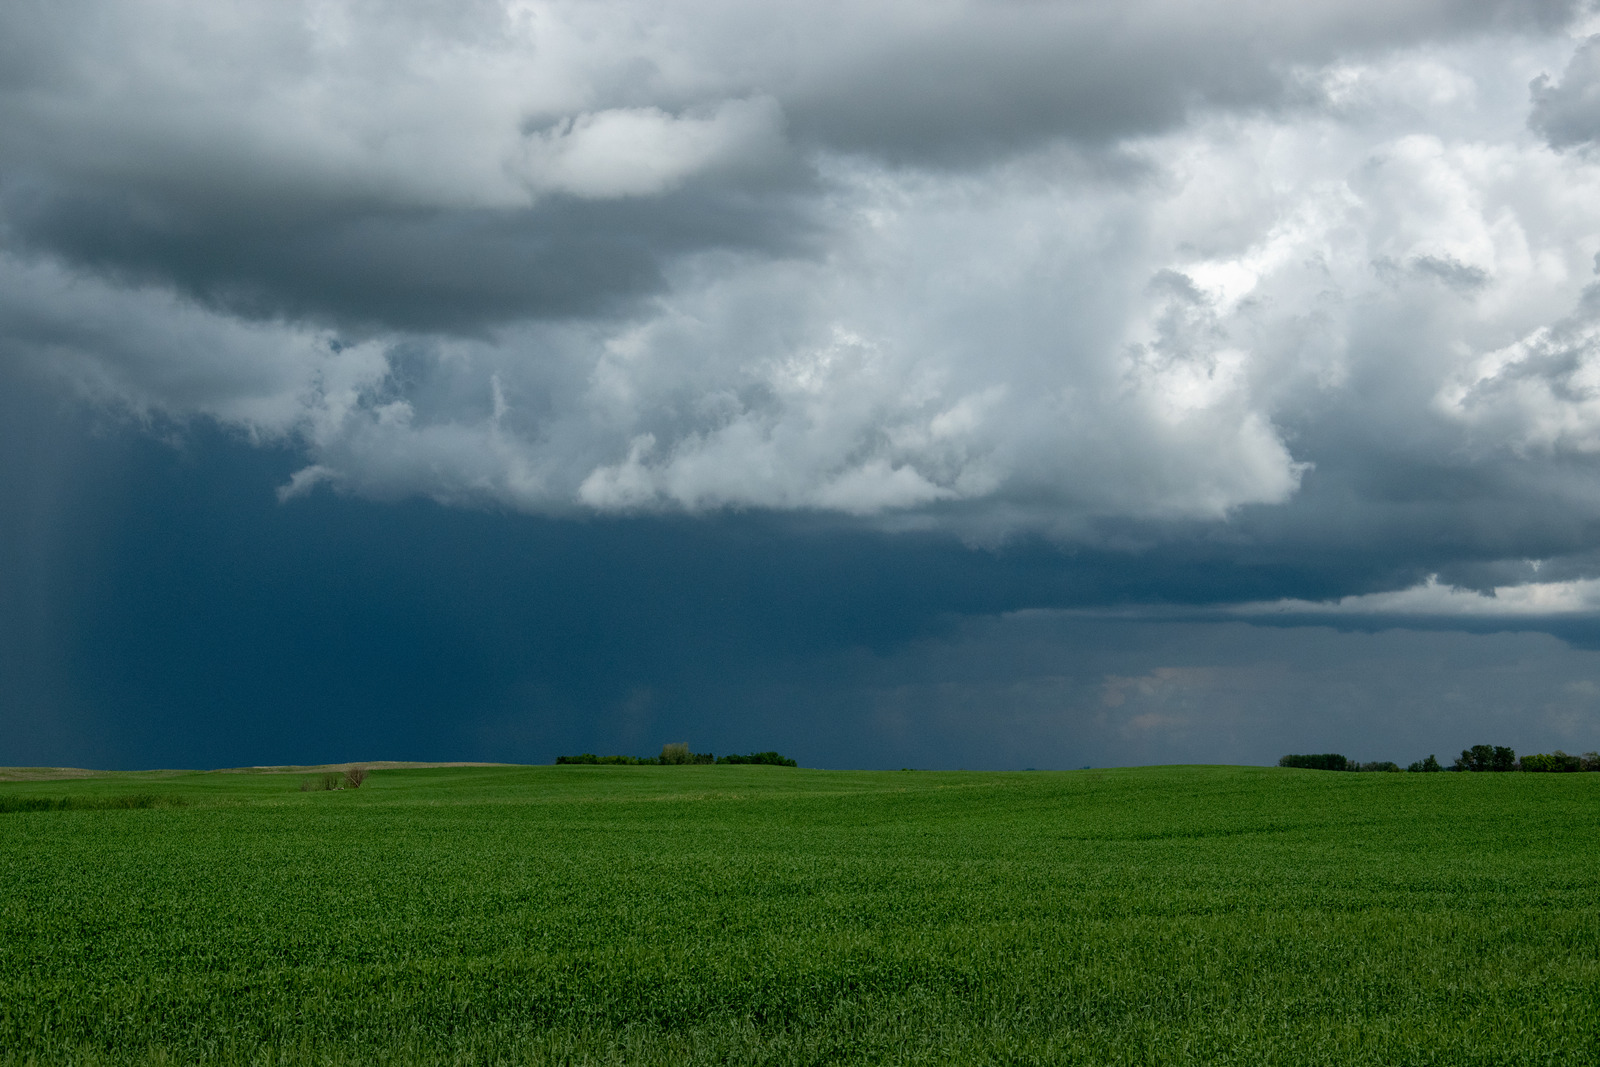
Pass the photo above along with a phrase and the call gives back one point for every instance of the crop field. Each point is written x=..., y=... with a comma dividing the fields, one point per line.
x=1195, y=915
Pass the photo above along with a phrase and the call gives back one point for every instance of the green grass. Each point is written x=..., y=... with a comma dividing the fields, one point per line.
x=764, y=915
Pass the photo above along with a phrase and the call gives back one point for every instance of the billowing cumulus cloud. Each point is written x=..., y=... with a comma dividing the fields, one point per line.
x=1313, y=278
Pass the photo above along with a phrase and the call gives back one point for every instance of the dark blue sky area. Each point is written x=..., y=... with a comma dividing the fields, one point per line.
x=163, y=608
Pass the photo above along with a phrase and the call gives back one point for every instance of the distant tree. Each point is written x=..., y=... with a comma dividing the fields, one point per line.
x=1429, y=764
x=675, y=754
x=590, y=759
x=1591, y=761
x=770, y=759
x=1377, y=765
x=1486, y=758
x=1551, y=761
x=1327, y=761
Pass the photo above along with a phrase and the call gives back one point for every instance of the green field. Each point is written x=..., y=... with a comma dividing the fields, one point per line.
x=1204, y=915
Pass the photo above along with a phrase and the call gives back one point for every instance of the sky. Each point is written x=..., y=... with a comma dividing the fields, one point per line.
x=955, y=384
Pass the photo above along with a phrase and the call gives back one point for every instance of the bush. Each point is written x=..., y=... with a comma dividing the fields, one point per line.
x=1377, y=765
x=590, y=759
x=1551, y=761
x=1591, y=761
x=678, y=755
x=1486, y=758
x=354, y=777
x=9, y=804
x=1429, y=764
x=321, y=782
x=770, y=759
x=1327, y=761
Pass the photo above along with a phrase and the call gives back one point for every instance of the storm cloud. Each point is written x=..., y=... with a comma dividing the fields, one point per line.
x=1272, y=312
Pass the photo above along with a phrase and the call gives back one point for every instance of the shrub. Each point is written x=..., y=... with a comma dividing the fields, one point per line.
x=1429, y=764
x=354, y=777
x=678, y=755
x=771, y=759
x=673, y=755
x=1377, y=765
x=590, y=759
x=9, y=804
x=1327, y=761
x=1591, y=761
x=1486, y=758
x=1551, y=761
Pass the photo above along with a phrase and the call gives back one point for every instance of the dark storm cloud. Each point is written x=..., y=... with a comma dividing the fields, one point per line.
x=287, y=160
x=1058, y=690
x=290, y=160
x=1567, y=110
x=1007, y=76
x=370, y=267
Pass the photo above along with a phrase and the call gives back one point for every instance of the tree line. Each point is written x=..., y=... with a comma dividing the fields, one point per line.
x=678, y=755
x=1476, y=758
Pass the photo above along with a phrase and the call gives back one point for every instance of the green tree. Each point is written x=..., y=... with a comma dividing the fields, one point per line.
x=1551, y=761
x=1486, y=758
x=1323, y=761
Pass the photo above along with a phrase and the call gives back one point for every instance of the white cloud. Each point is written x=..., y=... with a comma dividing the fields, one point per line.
x=645, y=151
x=1541, y=392
x=1431, y=599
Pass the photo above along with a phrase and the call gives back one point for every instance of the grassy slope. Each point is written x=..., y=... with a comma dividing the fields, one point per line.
x=730, y=914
